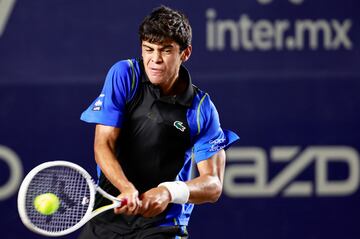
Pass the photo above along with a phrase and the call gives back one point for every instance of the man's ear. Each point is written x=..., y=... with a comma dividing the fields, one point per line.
x=186, y=53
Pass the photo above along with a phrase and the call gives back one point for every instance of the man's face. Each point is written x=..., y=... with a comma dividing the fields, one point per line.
x=162, y=62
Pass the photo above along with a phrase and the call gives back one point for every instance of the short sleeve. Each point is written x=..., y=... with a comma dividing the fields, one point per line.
x=109, y=107
x=211, y=138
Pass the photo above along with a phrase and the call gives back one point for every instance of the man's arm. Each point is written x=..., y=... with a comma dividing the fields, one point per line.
x=104, y=148
x=207, y=187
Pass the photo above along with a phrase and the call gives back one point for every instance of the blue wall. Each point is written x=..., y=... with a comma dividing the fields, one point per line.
x=284, y=74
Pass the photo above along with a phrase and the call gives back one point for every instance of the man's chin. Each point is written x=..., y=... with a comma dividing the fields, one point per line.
x=155, y=80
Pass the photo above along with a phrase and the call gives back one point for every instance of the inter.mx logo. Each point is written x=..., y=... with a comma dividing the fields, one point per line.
x=6, y=7
x=249, y=168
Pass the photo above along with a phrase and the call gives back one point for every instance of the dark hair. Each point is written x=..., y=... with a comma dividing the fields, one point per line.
x=163, y=24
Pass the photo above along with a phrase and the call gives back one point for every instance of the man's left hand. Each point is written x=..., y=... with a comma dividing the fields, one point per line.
x=154, y=201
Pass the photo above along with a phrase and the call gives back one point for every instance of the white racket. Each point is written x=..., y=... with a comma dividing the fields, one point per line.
x=74, y=187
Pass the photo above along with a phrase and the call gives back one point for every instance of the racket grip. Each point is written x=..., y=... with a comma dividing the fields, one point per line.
x=121, y=202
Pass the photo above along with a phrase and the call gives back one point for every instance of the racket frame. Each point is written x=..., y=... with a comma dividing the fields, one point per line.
x=89, y=213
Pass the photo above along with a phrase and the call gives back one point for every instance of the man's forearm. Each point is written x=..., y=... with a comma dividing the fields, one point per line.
x=206, y=188
x=109, y=165
x=104, y=149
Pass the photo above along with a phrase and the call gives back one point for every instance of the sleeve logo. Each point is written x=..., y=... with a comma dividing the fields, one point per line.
x=217, y=144
x=98, y=104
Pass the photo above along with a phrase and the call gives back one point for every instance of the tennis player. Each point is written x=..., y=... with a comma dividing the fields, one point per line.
x=154, y=130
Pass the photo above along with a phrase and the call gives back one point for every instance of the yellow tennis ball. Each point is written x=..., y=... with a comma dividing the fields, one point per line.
x=47, y=203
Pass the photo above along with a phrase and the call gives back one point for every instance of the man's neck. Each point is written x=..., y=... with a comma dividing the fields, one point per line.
x=178, y=86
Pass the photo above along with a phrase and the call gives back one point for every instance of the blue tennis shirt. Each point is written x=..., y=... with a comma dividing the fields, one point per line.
x=160, y=138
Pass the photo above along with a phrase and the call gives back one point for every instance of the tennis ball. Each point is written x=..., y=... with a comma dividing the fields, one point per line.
x=47, y=203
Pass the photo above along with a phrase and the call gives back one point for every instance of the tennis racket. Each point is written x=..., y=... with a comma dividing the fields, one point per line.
x=74, y=187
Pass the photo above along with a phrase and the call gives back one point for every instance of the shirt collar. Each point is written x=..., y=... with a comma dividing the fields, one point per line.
x=185, y=98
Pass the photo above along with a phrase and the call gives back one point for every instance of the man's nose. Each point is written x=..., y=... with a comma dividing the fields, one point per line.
x=157, y=57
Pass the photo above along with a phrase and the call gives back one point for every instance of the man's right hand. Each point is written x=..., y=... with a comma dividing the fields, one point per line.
x=133, y=203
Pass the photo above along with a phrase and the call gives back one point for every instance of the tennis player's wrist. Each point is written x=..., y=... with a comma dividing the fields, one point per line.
x=178, y=190
x=127, y=187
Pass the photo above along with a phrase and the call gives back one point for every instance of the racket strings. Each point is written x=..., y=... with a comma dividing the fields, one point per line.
x=71, y=188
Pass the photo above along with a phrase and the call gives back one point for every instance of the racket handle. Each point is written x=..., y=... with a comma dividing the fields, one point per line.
x=120, y=203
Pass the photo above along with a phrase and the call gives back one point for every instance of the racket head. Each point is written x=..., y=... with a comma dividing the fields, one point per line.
x=74, y=187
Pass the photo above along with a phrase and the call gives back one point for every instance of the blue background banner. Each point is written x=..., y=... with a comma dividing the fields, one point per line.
x=284, y=74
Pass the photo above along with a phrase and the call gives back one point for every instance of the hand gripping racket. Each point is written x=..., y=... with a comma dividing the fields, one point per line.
x=75, y=189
